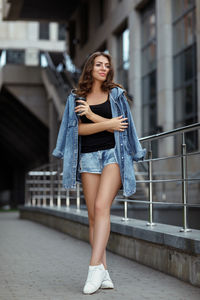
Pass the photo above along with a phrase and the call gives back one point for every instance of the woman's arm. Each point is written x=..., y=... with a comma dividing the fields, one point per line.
x=110, y=124
x=96, y=119
x=89, y=114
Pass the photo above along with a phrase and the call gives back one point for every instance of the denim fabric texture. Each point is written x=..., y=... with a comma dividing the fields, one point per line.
x=97, y=160
x=127, y=145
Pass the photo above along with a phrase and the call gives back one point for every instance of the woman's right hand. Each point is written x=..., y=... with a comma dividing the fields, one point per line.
x=118, y=123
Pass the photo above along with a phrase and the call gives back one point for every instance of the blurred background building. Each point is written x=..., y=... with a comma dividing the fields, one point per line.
x=155, y=45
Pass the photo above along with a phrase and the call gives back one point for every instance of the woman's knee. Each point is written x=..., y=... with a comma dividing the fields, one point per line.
x=100, y=208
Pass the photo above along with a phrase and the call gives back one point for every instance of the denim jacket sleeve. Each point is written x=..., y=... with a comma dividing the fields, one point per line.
x=61, y=139
x=138, y=153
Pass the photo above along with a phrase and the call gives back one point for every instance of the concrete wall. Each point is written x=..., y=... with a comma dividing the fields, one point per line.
x=161, y=247
x=25, y=83
x=25, y=35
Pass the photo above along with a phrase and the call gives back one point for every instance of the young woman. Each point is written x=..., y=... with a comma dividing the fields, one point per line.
x=98, y=142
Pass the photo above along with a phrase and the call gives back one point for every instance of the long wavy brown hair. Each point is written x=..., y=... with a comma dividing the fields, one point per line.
x=86, y=79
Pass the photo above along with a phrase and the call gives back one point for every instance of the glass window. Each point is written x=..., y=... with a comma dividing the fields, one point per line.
x=123, y=57
x=44, y=31
x=15, y=56
x=181, y=6
x=184, y=33
x=149, y=28
x=149, y=58
x=149, y=84
x=185, y=73
x=61, y=32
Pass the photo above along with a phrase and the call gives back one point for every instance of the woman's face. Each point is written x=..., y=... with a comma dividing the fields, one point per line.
x=101, y=68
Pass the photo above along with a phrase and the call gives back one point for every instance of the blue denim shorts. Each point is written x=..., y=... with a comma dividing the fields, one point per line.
x=94, y=162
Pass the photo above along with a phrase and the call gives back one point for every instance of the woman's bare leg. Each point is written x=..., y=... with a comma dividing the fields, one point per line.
x=90, y=184
x=110, y=183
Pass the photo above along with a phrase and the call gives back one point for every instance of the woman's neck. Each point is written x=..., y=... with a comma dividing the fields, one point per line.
x=96, y=87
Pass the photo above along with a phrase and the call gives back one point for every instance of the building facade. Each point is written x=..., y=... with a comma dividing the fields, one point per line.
x=155, y=46
x=22, y=41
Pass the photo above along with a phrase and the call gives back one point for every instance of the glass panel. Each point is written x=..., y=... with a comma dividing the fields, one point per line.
x=119, y=50
x=177, y=8
x=145, y=90
x=149, y=58
x=180, y=6
x=125, y=45
x=125, y=79
x=152, y=80
x=150, y=119
x=188, y=26
x=149, y=71
x=179, y=104
x=146, y=122
x=149, y=88
x=189, y=72
x=184, y=32
x=178, y=71
x=153, y=121
x=189, y=107
x=15, y=56
x=44, y=31
x=191, y=138
x=61, y=31
x=123, y=58
x=126, y=65
x=148, y=28
x=178, y=37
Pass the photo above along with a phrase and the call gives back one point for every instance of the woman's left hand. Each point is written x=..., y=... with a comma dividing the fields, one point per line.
x=83, y=109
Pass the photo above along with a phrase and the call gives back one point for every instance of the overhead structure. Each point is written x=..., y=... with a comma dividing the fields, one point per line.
x=37, y=10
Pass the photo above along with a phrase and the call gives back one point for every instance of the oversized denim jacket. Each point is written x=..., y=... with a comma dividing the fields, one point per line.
x=127, y=145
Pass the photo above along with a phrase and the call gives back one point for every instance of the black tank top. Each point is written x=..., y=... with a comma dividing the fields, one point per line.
x=100, y=140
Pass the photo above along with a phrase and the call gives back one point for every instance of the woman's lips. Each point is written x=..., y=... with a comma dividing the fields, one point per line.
x=102, y=74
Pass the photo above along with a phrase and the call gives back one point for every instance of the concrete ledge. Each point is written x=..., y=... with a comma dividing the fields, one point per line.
x=162, y=247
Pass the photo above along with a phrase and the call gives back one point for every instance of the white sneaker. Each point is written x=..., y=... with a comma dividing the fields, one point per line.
x=107, y=282
x=96, y=275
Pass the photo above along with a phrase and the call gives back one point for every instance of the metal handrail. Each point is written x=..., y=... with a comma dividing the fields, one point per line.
x=179, y=130
x=52, y=190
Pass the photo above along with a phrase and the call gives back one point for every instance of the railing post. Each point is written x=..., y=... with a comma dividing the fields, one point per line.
x=150, y=173
x=58, y=186
x=184, y=183
x=67, y=199
x=44, y=188
x=34, y=188
x=40, y=187
x=78, y=196
x=125, y=210
x=27, y=192
x=52, y=190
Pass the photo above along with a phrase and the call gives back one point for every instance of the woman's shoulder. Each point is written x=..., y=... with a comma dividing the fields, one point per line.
x=117, y=91
x=71, y=95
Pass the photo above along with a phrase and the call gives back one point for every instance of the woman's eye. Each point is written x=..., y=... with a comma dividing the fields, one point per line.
x=108, y=67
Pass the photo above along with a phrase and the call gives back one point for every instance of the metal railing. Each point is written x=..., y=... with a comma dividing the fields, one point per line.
x=44, y=184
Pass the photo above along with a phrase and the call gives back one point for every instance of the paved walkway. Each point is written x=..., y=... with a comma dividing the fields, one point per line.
x=37, y=262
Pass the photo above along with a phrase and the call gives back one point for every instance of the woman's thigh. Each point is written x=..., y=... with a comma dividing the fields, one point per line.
x=90, y=183
x=110, y=183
